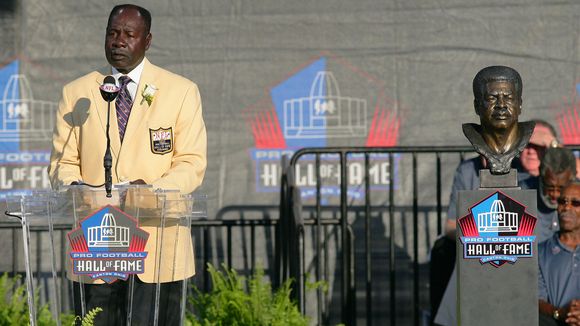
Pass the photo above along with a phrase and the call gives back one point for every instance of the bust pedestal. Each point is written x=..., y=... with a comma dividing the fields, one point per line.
x=497, y=264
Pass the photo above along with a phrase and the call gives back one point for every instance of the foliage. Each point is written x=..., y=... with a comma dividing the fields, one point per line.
x=14, y=304
x=322, y=284
x=14, y=307
x=89, y=319
x=228, y=303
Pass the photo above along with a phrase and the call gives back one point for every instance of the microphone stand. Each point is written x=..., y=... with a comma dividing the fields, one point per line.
x=108, y=159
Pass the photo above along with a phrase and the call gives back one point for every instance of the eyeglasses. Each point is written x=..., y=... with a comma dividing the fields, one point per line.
x=538, y=148
x=553, y=187
x=565, y=201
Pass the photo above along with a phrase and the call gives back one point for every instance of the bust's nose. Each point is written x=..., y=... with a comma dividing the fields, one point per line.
x=501, y=101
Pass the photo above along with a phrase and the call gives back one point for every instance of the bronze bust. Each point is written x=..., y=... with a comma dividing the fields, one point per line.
x=499, y=138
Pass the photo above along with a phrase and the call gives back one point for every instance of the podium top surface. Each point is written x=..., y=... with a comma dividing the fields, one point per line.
x=73, y=202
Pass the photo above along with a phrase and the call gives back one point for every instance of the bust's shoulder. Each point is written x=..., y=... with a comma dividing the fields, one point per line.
x=525, y=130
x=473, y=133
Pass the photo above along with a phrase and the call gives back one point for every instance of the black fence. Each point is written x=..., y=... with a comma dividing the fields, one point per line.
x=361, y=291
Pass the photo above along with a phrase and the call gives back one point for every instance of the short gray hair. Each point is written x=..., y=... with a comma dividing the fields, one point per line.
x=558, y=160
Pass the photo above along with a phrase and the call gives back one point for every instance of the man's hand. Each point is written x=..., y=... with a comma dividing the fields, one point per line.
x=138, y=182
x=573, y=313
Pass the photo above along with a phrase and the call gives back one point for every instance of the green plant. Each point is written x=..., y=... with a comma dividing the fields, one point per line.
x=229, y=303
x=88, y=320
x=322, y=284
x=14, y=307
x=14, y=304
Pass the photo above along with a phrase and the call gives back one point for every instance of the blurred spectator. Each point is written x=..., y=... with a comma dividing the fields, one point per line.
x=559, y=265
x=557, y=170
x=544, y=136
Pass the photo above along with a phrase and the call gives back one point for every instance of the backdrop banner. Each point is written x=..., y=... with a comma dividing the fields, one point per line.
x=276, y=76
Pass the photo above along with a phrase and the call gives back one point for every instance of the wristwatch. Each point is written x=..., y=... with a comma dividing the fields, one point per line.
x=556, y=314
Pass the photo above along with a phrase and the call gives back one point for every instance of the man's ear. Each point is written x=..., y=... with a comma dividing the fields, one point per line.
x=148, y=39
x=476, y=106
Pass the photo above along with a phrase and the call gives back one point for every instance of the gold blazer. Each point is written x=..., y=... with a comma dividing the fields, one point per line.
x=175, y=160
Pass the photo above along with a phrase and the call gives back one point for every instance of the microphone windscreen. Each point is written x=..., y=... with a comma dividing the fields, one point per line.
x=109, y=80
x=109, y=89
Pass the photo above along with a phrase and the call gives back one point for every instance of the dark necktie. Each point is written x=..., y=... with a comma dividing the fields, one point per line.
x=124, y=104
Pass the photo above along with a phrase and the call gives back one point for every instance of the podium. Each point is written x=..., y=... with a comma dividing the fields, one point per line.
x=138, y=235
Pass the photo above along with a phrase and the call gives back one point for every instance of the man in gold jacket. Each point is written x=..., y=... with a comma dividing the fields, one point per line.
x=161, y=141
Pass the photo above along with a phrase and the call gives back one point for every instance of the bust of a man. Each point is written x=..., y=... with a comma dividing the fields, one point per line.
x=499, y=138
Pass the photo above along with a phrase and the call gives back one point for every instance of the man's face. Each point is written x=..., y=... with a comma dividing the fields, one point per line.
x=500, y=106
x=127, y=40
x=569, y=209
x=553, y=183
x=531, y=156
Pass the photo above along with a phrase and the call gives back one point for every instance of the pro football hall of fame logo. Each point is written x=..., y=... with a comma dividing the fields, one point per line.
x=25, y=131
x=327, y=102
x=108, y=245
x=497, y=230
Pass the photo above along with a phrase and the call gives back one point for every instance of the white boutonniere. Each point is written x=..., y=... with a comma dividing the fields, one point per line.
x=148, y=93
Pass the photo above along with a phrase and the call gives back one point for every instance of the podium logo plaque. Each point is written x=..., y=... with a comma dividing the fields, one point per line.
x=108, y=245
x=497, y=230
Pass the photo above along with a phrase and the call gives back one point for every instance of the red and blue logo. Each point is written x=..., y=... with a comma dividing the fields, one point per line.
x=108, y=245
x=497, y=230
x=26, y=124
x=327, y=102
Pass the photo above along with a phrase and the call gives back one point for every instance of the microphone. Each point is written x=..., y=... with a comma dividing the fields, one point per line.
x=109, y=91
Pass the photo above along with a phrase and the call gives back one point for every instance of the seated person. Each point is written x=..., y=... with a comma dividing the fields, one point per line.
x=559, y=265
x=557, y=170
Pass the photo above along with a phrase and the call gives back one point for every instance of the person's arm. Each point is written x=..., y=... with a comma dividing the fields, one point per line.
x=544, y=307
x=547, y=308
x=64, y=168
x=458, y=184
x=190, y=148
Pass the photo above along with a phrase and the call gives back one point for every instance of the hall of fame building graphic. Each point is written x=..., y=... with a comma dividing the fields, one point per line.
x=497, y=230
x=24, y=118
x=26, y=125
x=313, y=108
x=108, y=245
